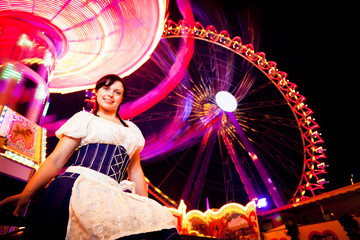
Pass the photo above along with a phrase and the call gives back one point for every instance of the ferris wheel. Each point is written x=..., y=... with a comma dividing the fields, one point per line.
x=235, y=127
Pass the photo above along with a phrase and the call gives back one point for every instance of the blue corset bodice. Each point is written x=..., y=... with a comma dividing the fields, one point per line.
x=111, y=160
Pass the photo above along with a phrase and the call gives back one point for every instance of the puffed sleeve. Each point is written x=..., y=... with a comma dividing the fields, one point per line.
x=76, y=126
x=139, y=140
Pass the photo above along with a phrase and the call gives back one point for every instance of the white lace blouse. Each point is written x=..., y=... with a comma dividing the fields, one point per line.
x=93, y=129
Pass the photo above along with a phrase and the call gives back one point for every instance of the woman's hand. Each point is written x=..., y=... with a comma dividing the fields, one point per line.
x=44, y=174
x=19, y=201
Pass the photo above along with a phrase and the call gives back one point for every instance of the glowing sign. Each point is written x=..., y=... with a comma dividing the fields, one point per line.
x=21, y=131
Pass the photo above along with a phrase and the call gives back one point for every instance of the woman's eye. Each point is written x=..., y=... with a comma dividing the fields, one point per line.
x=117, y=93
x=106, y=88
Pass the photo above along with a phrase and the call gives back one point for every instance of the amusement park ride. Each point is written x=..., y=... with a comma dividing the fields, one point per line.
x=209, y=91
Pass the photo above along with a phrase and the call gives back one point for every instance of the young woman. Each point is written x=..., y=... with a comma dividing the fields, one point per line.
x=91, y=200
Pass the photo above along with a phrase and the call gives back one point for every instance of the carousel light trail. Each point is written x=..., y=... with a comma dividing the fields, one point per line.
x=92, y=38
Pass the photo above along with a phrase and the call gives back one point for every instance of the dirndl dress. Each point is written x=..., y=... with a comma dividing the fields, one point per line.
x=92, y=201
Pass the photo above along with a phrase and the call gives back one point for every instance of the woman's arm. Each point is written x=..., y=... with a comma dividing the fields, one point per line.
x=54, y=162
x=45, y=173
x=136, y=175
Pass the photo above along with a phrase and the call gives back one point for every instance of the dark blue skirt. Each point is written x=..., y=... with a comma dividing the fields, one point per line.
x=52, y=212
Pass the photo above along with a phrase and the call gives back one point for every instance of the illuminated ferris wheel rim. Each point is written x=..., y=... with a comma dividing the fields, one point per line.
x=313, y=152
x=98, y=37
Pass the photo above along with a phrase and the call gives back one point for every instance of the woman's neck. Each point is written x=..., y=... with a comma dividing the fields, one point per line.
x=107, y=115
x=111, y=116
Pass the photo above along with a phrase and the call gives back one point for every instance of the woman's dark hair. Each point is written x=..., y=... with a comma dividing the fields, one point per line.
x=107, y=81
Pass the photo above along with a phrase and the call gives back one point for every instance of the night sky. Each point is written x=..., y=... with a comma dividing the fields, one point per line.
x=313, y=43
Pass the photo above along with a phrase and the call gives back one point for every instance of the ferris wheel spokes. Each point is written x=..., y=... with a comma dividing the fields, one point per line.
x=196, y=180
x=275, y=195
x=245, y=179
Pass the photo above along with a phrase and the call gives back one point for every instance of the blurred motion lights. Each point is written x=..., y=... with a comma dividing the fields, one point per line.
x=92, y=38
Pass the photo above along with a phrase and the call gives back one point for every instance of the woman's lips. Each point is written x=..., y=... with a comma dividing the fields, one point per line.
x=108, y=100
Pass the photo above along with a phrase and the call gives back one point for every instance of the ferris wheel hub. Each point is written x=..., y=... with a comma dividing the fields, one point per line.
x=226, y=101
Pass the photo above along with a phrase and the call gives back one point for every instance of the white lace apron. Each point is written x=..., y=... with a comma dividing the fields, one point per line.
x=100, y=209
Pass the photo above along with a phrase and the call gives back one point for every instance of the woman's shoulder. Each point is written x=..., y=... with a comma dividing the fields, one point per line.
x=82, y=116
x=136, y=132
x=83, y=113
x=76, y=126
x=131, y=125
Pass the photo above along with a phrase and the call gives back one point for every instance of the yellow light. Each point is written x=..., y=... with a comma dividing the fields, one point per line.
x=19, y=158
x=160, y=192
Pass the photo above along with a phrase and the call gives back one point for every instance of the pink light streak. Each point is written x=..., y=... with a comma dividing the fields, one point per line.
x=176, y=74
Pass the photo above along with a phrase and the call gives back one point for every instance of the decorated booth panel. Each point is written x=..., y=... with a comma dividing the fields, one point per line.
x=231, y=221
x=22, y=140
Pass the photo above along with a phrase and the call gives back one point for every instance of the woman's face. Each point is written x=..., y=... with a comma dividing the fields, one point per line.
x=110, y=97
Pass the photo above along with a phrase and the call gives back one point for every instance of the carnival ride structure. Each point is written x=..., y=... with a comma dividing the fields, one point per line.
x=268, y=145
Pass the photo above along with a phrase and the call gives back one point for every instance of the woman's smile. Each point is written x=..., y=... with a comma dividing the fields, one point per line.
x=107, y=100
